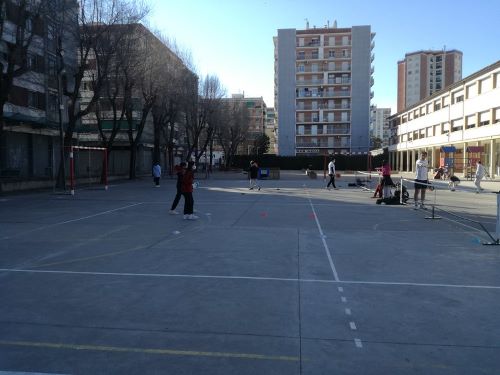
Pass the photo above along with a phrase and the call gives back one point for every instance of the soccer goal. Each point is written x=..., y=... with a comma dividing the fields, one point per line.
x=88, y=166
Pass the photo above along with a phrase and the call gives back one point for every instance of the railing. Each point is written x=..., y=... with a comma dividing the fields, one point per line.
x=327, y=94
x=308, y=107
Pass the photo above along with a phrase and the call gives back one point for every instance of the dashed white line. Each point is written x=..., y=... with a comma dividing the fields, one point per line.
x=343, y=299
x=348, y=311
x=358, y=343
x=352, y=325
x=341, y=289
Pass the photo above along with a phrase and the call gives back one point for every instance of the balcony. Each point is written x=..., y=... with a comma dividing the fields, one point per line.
x=308, y=107
x=307, y=82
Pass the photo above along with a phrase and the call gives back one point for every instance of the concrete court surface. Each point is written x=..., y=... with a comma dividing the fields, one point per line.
x=294, y=279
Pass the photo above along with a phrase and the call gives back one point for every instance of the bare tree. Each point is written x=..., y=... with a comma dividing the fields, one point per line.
x=233, y=130
x=97, y=42
x=201, y=115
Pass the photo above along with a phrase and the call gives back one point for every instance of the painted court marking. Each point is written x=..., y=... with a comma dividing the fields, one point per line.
x=256, y=278
x=323, y=239
x=71, y=221
x=165, y=352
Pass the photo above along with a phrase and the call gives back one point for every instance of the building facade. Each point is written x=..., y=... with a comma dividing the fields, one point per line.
x=456, y=126
x=422, y=73
x=323, y=78
x=379, y=127
x=35, y=112
x=257, y=112
x=271, y=130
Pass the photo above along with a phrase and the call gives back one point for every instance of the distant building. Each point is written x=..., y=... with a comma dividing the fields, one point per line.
x=257, y=110
x=322, y=80
x=423, y=73
x=456, y=126
x=272, y=130
x=379, y=127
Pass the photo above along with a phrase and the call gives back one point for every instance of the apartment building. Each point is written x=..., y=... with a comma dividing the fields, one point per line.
x=379, y=127
x=35, y=110
x=257, y=111
x=457, y=126
x=271, y=130
x=423, y=73
x=323, y=80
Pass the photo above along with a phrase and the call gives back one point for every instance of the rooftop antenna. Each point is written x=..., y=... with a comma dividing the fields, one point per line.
x=335, y=24
x=328, y=23
x=307, y=23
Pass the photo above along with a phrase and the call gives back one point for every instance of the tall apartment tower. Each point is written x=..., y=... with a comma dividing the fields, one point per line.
x=323, y=78
x=422, y=73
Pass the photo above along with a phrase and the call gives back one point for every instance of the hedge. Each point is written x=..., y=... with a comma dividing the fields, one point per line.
x=342, y=162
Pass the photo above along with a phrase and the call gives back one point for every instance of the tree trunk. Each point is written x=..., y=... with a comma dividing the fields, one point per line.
x=133, y=160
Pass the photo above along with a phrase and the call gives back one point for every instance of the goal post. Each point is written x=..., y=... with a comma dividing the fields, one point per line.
x=83, y=168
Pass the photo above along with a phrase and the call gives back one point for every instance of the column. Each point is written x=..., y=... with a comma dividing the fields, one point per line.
x=493, y=158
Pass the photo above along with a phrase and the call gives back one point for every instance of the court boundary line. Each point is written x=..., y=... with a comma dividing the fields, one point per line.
x=251, y=278
x=71, y=221
x=323, y=238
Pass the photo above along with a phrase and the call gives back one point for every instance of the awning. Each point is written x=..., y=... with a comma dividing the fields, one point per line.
x=448, y=149
x=475, y=149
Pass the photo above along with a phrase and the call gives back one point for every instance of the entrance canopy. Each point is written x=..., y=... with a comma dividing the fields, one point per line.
x=448, y=149
x=475, y=149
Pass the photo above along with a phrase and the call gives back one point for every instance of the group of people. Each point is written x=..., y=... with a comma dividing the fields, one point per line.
x=185, y=180
x=421, y=180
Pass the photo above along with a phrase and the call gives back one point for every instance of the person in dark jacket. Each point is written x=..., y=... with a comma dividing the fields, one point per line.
x=254, y=172
x=187, y=192
x=179, y=171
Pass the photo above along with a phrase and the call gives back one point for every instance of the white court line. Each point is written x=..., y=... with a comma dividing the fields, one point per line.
x=352, y=325
x=348, y=311
x=187, y=276
x=71, y=221
x=327, y=250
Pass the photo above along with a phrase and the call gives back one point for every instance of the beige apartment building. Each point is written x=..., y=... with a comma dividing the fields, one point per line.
x=422, y=73
x=323, y=80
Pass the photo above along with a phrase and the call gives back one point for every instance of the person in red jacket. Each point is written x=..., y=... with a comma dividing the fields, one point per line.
x=187, y=192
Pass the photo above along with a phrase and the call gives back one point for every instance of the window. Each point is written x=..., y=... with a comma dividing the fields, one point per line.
x=470, y=121
x=301, y=56
x=446, y=101
x=445, y=128
x=331, y=53
x=485, y=85
x=457, y=96
x=300, y=130
x=484, y=118
x=437, y=105
x=457, y=125
x=496, y=115
x=32, y=99
x=52, y=105
x=301, y=68
x=471, y=90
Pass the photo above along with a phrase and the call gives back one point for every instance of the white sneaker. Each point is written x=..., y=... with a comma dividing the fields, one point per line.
x=173, y=212
x=422, y=206
x=192, y=217
x=415, y=207
x=185, y=217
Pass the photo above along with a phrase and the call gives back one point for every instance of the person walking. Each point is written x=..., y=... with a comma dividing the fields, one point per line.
x=254, y=172
x=480, y=172
x=156, y=174
x=331, y=173
x=421, y=178
x=187, y=192
x=386, y=182
x=179, y=170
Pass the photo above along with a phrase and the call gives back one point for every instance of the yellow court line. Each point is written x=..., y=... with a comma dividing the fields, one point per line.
x=118, y=349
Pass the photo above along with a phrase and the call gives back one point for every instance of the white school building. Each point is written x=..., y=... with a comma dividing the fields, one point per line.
x=457, y=127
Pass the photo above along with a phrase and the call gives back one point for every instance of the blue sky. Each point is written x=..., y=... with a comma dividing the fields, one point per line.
x=233, y=39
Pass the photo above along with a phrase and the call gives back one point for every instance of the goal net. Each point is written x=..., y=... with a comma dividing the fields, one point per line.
x=88, y=166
